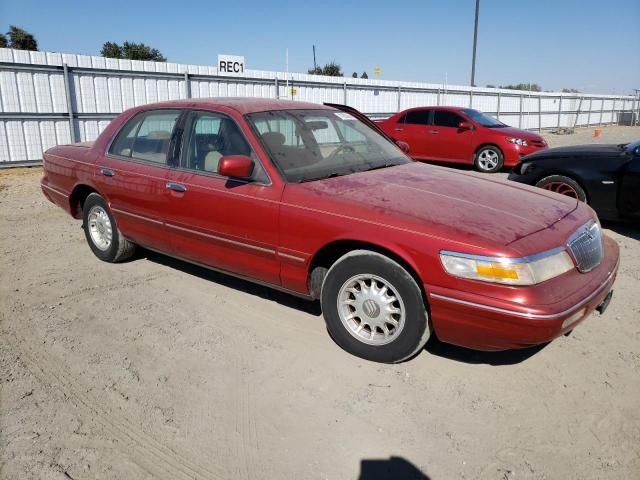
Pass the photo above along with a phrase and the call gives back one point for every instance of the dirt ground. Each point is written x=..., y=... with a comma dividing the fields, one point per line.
x=158, y=369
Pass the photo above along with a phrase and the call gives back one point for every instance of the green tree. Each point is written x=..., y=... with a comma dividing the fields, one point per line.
x=331, y=69
x=364, y=75
x=111, y=50
x=354, y=75
x=131, y=51
x=3, y=41
x=532, y=87
x=21, y=39
x=570, y=90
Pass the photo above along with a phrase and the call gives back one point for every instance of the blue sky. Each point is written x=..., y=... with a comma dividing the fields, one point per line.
x=592, y=45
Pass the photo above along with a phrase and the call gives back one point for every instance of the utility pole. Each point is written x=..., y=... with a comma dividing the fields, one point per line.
x=475, y=42
x=314, y=58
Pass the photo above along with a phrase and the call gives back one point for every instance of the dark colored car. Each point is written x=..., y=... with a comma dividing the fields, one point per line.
x=461, y=135
x=607, y=177
x=313, y=200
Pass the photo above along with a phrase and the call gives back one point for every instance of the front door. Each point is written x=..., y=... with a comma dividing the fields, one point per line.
x=629, y=189
x=131, y=176
x=451, y=143
x=223, y=223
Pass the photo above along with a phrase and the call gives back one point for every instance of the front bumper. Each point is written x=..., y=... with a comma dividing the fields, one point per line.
x=513, y=153
x=477, y=322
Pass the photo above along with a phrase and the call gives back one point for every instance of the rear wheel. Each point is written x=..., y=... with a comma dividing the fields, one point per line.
x=101, y=231
x=489, y=159
x=373, y=308
x=563, y=185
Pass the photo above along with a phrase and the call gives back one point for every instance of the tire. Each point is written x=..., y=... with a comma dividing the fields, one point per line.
x=344, y=296
x=488, y=159
x=563, y=185
x=101, y=231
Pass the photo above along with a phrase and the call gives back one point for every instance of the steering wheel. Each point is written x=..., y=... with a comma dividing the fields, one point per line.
x=339, y=150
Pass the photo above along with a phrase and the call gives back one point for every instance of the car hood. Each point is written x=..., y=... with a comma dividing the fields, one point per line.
x=518, y=133
x=583, y=151
x=464, y=207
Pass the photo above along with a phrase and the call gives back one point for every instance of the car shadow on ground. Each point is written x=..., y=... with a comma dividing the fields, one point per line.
x=434, y=346
x=466, y=355
x=627, y=229
x=393, y=468
x=228, y=280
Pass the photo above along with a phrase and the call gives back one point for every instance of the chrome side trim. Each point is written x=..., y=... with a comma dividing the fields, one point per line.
x=55, y=190
x=237, y=275
x=292, y=257
x=505, y=260
x=140, y=217
x=222, y=239
x=529, y=315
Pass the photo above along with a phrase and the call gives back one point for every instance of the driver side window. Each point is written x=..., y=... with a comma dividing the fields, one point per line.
x=211, y=136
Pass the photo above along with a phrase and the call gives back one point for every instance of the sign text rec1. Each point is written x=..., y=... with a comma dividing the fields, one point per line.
x=230, y=64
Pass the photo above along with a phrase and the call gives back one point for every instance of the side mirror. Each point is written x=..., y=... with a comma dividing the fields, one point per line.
x=404, y=146
x=464, y=126
x=235, y=166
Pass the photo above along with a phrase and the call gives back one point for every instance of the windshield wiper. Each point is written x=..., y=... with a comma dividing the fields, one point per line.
x=324, y=177
x=378, y=167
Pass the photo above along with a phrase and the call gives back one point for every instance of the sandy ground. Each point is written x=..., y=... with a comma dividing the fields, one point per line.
x=157, y=369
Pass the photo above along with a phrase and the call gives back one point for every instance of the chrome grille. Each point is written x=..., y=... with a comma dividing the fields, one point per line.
x=586, y=246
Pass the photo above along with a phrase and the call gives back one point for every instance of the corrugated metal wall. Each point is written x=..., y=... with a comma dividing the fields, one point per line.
x=38, y=89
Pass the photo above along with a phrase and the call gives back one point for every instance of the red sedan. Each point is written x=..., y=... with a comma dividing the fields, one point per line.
x=315, y=201
x=461, y=135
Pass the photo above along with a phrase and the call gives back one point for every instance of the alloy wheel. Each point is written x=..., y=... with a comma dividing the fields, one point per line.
x=371, y=309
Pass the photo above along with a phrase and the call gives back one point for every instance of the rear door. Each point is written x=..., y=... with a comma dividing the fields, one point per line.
x=416, y=134
x=131, y=176
x=224, y=223
x=450, y=143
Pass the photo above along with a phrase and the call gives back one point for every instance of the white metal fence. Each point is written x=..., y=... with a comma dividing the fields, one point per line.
x=54, y=98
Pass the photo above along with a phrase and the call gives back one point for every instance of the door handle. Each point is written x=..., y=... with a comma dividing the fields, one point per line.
x=434, y=132
x=107, y=172
x=176, y=187
x=398, y=129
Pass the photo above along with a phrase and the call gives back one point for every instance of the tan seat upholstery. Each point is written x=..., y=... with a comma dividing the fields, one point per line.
x=211, y=161
x=274, y=140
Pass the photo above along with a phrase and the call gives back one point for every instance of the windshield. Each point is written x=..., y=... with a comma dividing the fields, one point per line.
x=308, y=145
x=482, y=118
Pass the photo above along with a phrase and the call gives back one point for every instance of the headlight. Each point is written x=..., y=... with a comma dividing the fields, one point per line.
x=509, y=271
x=518, y=141
x=525, y=167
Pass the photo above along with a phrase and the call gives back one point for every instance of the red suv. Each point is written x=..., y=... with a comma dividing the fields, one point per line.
x=461, y=135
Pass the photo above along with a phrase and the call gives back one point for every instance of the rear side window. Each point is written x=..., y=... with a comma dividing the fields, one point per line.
x=417, y=117
x=444, y=118
x=147, y=136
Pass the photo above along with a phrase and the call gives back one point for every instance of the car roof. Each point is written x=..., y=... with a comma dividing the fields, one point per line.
x=427, y=107
x=242, y=105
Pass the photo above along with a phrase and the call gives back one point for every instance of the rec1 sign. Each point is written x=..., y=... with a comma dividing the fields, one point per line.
x=230, y=64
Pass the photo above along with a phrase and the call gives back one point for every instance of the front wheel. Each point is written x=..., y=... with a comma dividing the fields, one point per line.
x=374, y=308
x=101, y=231
x=563, y=185
x=489, y=159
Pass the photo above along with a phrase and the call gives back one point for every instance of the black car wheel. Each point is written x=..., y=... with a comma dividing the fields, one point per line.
x=563, y=185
